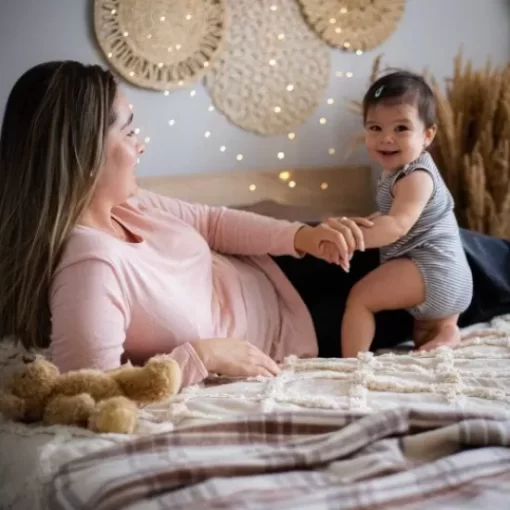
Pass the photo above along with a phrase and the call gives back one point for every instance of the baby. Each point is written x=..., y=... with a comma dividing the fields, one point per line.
x=423, y=265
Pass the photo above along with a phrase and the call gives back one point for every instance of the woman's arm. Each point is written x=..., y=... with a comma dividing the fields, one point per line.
x=229, y=230
x=90, y=317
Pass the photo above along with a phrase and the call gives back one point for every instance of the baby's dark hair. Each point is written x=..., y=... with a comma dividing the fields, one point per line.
x=402, y=87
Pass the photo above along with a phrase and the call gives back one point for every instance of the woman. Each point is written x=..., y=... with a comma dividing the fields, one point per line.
x=107, y=272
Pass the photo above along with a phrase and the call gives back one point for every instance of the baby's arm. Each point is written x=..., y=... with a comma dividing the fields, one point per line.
x=411, y=194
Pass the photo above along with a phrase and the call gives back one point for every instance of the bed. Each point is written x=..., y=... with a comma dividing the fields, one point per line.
x=414, y=430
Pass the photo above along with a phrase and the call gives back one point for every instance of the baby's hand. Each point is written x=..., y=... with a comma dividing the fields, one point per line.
x=330, y=253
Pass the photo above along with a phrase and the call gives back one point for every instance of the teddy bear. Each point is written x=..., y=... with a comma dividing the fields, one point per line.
x=102, y=401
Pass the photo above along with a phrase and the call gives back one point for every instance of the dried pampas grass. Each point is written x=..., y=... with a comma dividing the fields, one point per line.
x=472, y=144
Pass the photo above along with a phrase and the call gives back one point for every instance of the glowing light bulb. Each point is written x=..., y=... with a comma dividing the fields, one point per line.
x=338, y=30
x=284, y=176
x=206, y=64
x=178, y=46
x=322, y=120
x=137, y=131
x=281, y=37
x=171, y=122
x=188, y=16
x=149, y=36
x=180, y=83
x=324, y=185
x=274, y=8
x=272, y=62
x=193, y=93
x=331, y=100
x=348, y=74
x=252, y=187
x=211, y=108
x=160, y=64
x=359, y=52
x=343, y=10
x=110, y=55
x=207, y=134
x=239, y=157
x=281, y=155
x=130, y=106
x=332, y=21
x=147, y=139
x=291, y=136
x=132, y=73
x=347, y=44
x=290, y=87
x=167, y=92
x=125, y=34
x=114, y=11
x=277, y=109
x=292, y=184
x=223, y=148
x=162, y=18
x=331, y=151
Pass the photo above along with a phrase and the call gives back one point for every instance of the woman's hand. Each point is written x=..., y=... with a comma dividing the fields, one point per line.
x=234, y=358
x=334, y=240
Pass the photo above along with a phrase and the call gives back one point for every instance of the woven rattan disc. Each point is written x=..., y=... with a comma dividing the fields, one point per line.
x=354, y=25
x=160, y=44
x=274, y=68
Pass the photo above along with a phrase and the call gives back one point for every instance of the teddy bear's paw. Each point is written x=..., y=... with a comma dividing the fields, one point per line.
x=69, y=410
x=12, y=407
x=117, y=415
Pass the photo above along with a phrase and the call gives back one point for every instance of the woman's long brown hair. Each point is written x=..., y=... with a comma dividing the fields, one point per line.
x=51, y=151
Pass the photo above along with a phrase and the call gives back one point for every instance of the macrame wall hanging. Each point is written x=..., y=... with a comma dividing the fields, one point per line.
x=158, y=44
x=274, y=69
x=353, y=25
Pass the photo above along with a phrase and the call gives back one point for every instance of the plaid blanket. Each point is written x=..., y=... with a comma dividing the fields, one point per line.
x=401, y=458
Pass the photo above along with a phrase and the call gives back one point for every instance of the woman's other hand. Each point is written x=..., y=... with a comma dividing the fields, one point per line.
x=234, y=358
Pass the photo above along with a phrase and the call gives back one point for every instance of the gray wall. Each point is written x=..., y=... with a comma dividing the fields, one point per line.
x=429, y=35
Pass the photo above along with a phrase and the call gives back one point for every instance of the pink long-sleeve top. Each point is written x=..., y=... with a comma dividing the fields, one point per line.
x=196, y=272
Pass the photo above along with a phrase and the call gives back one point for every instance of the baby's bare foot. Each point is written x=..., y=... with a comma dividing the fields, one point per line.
x=448, y=336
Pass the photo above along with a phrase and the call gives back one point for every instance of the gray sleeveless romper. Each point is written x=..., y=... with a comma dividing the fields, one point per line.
x=433, y=244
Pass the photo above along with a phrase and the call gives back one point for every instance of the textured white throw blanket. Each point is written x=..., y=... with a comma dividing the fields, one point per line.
x=475, y=377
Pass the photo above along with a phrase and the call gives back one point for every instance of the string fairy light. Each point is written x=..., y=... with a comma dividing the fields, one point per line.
x=239, y=157
x=193, y=93
x=211, y=108
x=322, y=120
x=207, y=134
x=284, y=176
x=171, y=122
x=330, y=100
x=147, y=139
x=331, y=151
x=252, y=187
x=324, y=185
x=291, y=136
x=223, y=148
x=292, y=184
x=281, y=155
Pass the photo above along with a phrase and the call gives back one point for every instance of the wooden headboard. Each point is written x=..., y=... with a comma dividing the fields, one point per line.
x=313, y=192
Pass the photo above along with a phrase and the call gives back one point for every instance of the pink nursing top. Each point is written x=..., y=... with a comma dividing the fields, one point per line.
x=197, y=272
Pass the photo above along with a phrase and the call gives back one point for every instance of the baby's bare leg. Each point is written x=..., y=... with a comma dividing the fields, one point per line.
x=394, y=285
x=433, y=333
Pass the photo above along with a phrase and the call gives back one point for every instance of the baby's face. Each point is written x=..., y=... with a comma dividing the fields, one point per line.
x=395, y=135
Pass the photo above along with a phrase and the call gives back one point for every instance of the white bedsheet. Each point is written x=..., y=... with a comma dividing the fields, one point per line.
x=475, y=376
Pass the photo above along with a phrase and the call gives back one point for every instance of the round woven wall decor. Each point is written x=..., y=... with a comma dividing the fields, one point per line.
x=274, y=69
x=353, y=25
x=158, y=44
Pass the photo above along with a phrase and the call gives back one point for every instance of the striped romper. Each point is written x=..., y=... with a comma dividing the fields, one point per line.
x=433, y=244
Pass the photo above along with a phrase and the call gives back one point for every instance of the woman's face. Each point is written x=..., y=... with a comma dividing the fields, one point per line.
x=117, y=180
